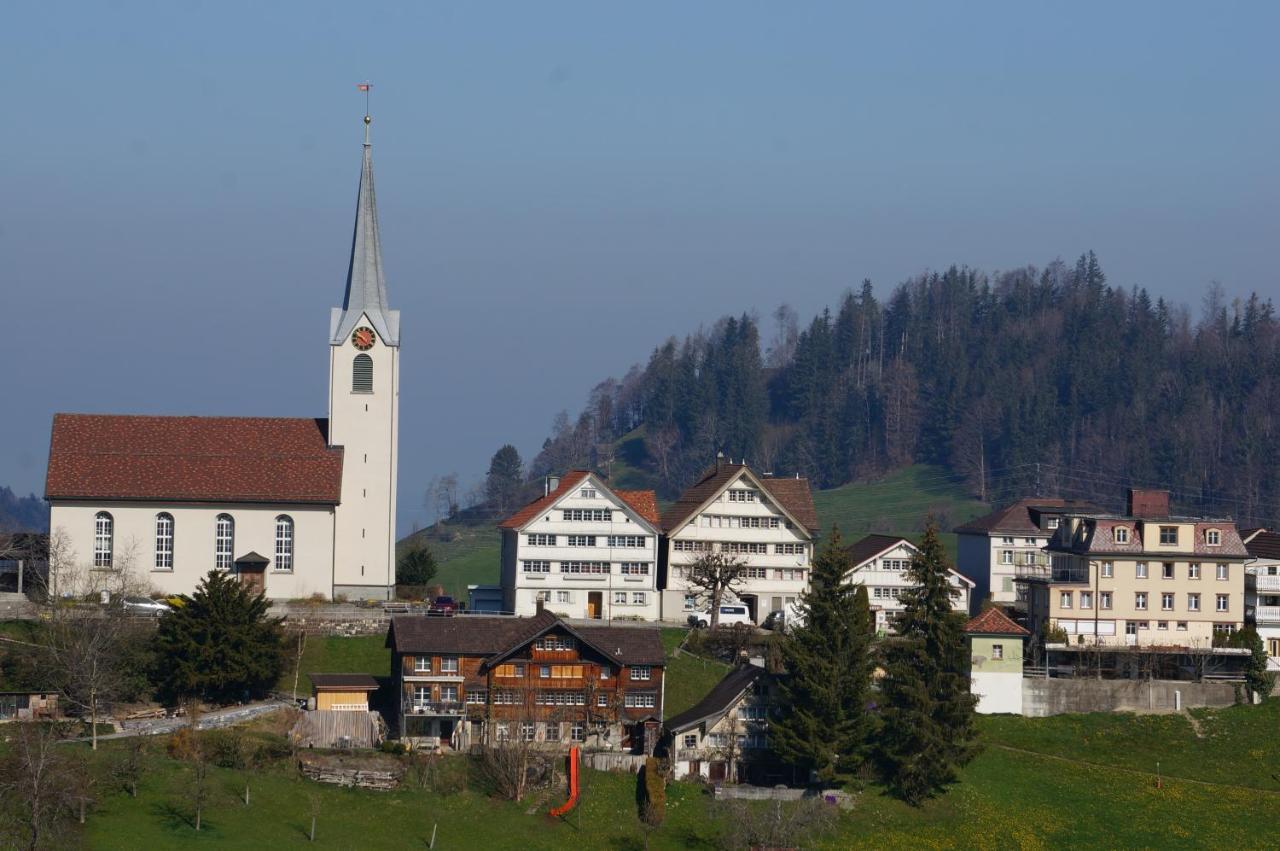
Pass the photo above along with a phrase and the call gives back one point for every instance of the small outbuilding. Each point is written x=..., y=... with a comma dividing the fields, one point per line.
x=28, y=705
x=995, y=649
x=342, y=692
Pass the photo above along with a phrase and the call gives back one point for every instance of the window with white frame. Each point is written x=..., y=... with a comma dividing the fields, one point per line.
x=1193, y=570
x=896, y=563
x=1086, y=599
x=755, y=572
x=421, y=695
x=477, y=695
x=587, y=567
x=741, y=495
x=690, y=740
x=1064, y=599
x=552, y=732
x=1007, y=540
x=540, y=539
x=690, y=602
x=1224, y=602
x=543, y=595
x=528, y=732
x=590, y=515
x=535, y=566
x=582, y=540
x=1051, y=523
x=619, y=598
x=744, y=547
x=561, y=698
x=284, y=543
x=449, y=665
x=1029, y=557
x=448, y=694
x=1166, y=602
x=103, y=539
x=1224, y=572
x=422, y=664
x=1140, y=600
x=628, y=541
x=564, y=596
x=1140, y=570
x=1182, y=625
x=997, y=651
x=691, y=546
x=224, y=542
x=1213, y=537
x=1162, y=624
x=588, y=493
x=788, y=549
x=502, y=731
x=602, y=699
x=640, y=700
x=641, y=672
x=634, y=568
x=164, y=541
x=1108, y=569
x=639, y=598
x=1006, y=556
x=578, y=732
x=1121, y=534
x=1193, y=602
x=1104, y=599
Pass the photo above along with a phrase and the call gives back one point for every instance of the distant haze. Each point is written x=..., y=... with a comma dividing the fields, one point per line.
x=563, y=185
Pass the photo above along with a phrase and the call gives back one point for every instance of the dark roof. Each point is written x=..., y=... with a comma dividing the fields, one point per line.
x=495, y=637
x=253, y=557
x=994, y=622
x=644, y=503
x=1017, y=519
x=193, y=459
x=867, y=548
x=1264, y=545
x=351, y=682
x=719, y=700
x=792, y=494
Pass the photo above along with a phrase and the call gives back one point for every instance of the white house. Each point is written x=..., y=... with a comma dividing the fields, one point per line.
x=294, y=506
x=880, y=563
x=724, y=735
x=1262, y=588
x=768, y=522
x=584, y=550
x=991, y=549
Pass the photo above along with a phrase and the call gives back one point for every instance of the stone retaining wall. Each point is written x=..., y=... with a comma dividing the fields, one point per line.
x=1056, y=696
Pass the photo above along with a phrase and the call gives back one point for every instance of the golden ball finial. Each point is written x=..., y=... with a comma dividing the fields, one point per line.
x=367, y=119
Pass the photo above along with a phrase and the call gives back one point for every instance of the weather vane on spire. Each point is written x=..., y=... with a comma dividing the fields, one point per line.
x=366, y=87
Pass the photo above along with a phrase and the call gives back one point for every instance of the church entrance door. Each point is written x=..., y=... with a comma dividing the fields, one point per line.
x=251, y=569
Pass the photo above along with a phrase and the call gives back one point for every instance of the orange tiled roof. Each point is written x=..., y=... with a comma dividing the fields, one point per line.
x=644, y=503
x=994, y=622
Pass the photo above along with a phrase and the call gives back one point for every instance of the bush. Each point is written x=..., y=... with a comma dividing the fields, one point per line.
x=393, y=747
x=416, y=567
x=653, y=797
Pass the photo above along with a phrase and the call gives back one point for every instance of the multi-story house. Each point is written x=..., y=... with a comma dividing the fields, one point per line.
x=477, y=679
x=1262, y=589
x=767, y=522
x=880, y=563
x=992, y=547
x=1146, y=577
x=724, y=736
x=584, y=550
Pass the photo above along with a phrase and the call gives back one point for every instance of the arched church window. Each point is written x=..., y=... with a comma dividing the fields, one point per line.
x=362, y=374
x=103, y=538
x=164, y=541
x=284, y=542
x=224, y=542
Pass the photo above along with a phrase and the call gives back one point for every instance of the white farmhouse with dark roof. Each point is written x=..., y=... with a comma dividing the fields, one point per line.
x=880, y=562
x=166, y=499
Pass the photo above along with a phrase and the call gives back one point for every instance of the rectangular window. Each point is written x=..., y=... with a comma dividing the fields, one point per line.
x=1224, y=572
x=1104, y=599
x=744, y=547
x=1064, y=600
x=641, y=672
x=1086, y=599
x=554, y=642
x=421, y=695
x=788, y=549
x=1140, y=600
x=638, y=598
x=1028, y=558
x=589, y=515
x=1166, y=602
x=1224, y=601
x=691, y=740
x=640, y=700
x=1193, y=570
x=527, y=731
x=629, y=541
x=1121, y=535
x=997, y=651
x=164, y=544
x=1193, y=602
x=619, y=598
x=564, y=596
x=741, y=495
x=1006, y=556
x=552, y=732
x=448, y=694
x=511, y=669
x=1167, y=570
x=544, y=596
x=449, y=665
x=1162, y=624
x=1182, y=625
x=422, y=664
x=602, y=699
x=541, y=540
x=582, y=540
x=1213, y=537
x=103, y=531
x=635, y=568
x=1140, y=570
x=1108, y=570
x=503, y=730
x=536, y=566
x=588, y=493
x=595, y=568
x=477, y=696
x=1051, y=523
x=1168, y=536
x=691, y=546
x=690, y=602
x=578, y=732
x=756, y=572
x=505, y=697
x=544, y=671
x=1007, y=541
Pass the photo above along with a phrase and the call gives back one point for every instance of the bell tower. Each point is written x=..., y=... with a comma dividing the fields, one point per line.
x=364, y=409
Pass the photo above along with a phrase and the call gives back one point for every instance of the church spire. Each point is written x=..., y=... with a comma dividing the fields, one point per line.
x=366, y=292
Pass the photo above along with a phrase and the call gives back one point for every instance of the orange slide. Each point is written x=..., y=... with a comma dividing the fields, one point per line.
x=573, y=784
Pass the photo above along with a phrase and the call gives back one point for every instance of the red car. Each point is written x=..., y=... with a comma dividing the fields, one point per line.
x=443, y=606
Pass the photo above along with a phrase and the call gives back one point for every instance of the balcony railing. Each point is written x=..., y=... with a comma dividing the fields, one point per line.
x=1031, y=572
x=433, y=707
x=1268, y=614
x=1269, y=583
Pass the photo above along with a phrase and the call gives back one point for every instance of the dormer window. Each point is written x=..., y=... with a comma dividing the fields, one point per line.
x=1051, y=523
x=1122, y=535
x=1213, y=537
x=1169, y=536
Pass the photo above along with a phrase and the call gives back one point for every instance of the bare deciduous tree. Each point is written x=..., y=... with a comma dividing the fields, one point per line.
x=37, y=784
x=714, y=575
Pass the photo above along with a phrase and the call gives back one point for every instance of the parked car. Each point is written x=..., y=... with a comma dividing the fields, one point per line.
x=730, y=614
x=784, y=619
x=443, y=605
x=144, y=606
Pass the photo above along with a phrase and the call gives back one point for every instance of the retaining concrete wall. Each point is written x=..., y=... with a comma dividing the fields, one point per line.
x=1042, y=697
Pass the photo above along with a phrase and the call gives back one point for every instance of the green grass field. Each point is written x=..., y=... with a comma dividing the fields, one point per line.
x=363, y=654
x=1074, y=781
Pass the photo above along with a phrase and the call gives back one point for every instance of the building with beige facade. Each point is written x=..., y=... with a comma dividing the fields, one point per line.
x=1146, y=577
x=295, y=506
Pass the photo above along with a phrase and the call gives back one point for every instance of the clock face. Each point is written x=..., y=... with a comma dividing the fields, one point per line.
x=363, y=339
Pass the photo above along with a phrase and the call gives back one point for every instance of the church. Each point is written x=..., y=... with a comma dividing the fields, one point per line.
x=294, y=507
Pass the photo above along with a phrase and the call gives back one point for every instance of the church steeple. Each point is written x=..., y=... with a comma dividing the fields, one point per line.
x=366, y=292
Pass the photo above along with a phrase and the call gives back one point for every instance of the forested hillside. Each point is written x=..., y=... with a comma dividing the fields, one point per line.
x=22, y=513
x=1032, y=379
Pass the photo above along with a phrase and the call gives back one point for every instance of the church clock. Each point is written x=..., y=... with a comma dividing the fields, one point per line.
x=363, y=339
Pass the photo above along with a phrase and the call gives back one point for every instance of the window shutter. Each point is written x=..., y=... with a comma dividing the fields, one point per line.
x=362, y=374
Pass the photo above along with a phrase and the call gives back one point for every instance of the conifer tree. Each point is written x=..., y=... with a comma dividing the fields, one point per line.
x=823, y=725
x=928, y=729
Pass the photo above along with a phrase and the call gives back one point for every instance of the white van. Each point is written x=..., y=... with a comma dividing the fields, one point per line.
x=730, y=614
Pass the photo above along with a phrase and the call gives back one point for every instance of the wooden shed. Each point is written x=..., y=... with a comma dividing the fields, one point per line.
x=342, y=692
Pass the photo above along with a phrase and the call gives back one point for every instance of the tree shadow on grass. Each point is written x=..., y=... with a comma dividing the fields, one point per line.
x=173, y=817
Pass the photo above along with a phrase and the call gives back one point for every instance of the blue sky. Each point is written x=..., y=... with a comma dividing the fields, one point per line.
x=562, y=185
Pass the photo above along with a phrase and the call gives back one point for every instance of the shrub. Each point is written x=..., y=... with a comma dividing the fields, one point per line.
x=393, y=747
x=653, y=803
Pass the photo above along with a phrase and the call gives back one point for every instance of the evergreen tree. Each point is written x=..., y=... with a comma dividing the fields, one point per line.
x=219, y=645
x=416, y=566
x=505, y=478
x=928, y=708
x=823, y=725
x=1256, y=677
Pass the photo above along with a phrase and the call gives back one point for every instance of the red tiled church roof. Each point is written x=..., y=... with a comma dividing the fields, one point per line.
x=994, y=622
x=193, y=459
x=644, y=503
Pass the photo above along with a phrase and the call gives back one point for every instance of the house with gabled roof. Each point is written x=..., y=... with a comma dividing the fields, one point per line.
x=880, y=563
x=1262, y=588
x=479, y=679
x=721, y=736
x=768, y=522
x=584, y=550
x=995, y=648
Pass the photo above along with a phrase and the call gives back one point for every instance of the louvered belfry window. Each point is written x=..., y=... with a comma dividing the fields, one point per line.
x=362, y=374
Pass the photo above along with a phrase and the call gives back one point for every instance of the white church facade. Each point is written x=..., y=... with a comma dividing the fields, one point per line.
x=294, y=506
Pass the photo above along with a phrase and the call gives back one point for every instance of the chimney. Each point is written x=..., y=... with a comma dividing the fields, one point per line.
x=1148, y=504
x=537, y=606
x=719, y=460
x=552, y=482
